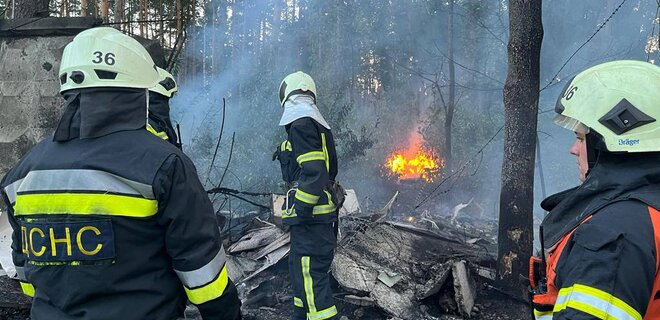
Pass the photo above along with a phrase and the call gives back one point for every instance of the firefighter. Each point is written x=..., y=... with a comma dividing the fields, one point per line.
x=111, y=222
x=602, y=238
x=160, y=123
x=309, y=167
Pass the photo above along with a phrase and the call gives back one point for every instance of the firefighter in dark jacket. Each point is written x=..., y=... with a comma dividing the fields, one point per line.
x=111, y=222
x=309, y=167
x=601, y=239
x=160, y=122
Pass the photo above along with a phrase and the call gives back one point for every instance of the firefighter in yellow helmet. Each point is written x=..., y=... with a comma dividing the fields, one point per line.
x=309, y=167
x=601, y=239
x=111, y=222
x=160, y=122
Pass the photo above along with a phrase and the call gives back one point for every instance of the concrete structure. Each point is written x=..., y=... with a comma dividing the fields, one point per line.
x=30, y=104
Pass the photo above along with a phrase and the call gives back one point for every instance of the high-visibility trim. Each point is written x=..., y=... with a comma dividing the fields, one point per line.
x=289, y=214
x=160, y=134
x=210, y=291
x=205, y=274
x=325, y=208
x=12, y=190
x=58, y=263
x=595, y=302
x=298, y=302
x=78, y=180
x=308, y=284
x=82, y=204
x=323, y=314
x=542, y=315
x=20, y=272
x=286, y=146
x=325, y=153
x=307, y=197
x=28, y=289
x=311, y=156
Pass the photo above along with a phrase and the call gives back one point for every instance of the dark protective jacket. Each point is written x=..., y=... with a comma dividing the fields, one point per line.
x=160, y=122
x=601, y=243
x=111, y=222
x=309, y=165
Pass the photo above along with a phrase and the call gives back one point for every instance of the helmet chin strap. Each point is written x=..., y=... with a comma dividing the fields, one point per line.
x=147, y=120
x=595, y=146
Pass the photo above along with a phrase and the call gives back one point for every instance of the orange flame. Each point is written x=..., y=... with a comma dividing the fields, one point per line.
x=414, y=162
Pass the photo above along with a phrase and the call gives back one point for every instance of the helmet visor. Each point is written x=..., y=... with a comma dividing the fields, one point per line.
x=571, y=124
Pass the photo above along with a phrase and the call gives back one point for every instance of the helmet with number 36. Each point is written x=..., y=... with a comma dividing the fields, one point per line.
x=105, y=57
x=619, y=100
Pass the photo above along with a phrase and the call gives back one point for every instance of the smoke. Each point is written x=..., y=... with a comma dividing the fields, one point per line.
x=381, y=69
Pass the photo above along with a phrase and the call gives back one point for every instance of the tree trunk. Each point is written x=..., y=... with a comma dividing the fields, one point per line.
x=105, y=7
x=179, y=25
x=192, y=12
x=143, y=18
x=128, y=27
x=119, y=12
x=521, y=93
x=30, y=8
x=161, y=27
x=451, y=103
x=84, y=7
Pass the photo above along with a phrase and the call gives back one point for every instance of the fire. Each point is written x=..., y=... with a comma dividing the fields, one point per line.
x=414, y=162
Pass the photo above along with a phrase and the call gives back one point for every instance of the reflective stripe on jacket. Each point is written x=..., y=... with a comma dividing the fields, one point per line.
x=111, y=222
x=605, y=268
x=309, y=161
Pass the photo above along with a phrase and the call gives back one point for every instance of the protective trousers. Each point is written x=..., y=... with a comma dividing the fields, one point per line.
x=312, y=248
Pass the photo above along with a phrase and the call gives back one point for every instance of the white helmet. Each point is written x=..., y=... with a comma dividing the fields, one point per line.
x=295, y=83
x=167, y=85
x=105, y=57
x=620, y=100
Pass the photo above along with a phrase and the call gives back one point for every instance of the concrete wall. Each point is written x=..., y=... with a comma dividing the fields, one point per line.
x=30, y=104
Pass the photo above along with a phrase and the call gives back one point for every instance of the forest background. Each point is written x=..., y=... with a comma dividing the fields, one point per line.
x=389, y=73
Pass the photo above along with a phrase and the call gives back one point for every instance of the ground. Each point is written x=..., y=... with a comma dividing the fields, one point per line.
x=13, y=304
x=491, y=306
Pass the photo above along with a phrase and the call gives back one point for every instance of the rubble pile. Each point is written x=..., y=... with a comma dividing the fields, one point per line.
x=428, y=268
x=396, y=268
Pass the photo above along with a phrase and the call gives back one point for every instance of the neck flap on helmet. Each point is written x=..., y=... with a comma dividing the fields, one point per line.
x=95, y=112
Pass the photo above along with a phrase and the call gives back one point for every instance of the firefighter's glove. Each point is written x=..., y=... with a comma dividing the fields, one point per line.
x=276, y=154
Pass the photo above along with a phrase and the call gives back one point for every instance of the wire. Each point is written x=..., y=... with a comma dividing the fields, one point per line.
x=14, y=29
x=217, y=146
x=136, y=21
x=231, y=152
x=552, y=80
x=461, y=169
x=235, y=194
x=224, y=190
